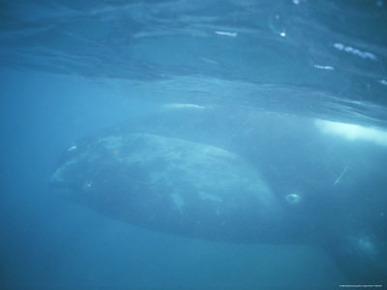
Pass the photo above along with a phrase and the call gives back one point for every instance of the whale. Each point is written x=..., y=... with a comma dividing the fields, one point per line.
x=237, y=175
x=171, y=185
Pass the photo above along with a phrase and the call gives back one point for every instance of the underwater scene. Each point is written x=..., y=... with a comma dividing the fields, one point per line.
x=236, y=144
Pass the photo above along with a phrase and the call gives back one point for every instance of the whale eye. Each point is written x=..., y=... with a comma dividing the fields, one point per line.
x=87, y=185
x=293, y=198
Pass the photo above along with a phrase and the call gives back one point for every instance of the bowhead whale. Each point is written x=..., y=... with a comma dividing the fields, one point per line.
x=240, y=176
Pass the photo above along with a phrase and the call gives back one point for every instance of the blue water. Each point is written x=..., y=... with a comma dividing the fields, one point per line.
x=70, y=69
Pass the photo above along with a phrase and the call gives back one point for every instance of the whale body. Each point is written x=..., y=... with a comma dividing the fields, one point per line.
x=172, y=185
x=237, y=177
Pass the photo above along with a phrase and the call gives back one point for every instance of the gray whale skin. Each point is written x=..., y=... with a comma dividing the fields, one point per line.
x=233, y=178
x=172, y=185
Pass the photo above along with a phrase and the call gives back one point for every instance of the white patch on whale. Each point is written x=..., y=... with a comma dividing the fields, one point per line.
x=293, y=198
x=353, y=132
x=72, y=148
x=183, y=106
